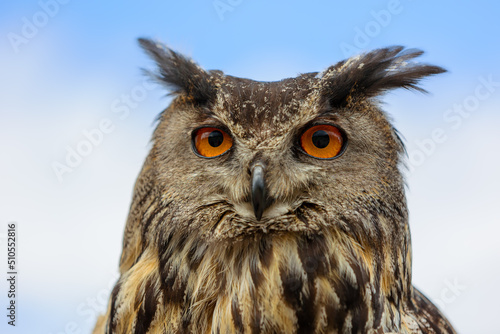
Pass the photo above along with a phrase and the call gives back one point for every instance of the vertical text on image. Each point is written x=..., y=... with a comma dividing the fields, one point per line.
x=12, y=273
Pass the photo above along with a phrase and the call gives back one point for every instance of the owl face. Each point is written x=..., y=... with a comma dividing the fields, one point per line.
x=300, y=154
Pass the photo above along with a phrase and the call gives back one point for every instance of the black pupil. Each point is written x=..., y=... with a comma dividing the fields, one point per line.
x=215, y=138
x=320, y=139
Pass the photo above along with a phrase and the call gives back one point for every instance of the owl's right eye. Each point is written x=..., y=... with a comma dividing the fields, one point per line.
x=322, y=141
x=211, y=142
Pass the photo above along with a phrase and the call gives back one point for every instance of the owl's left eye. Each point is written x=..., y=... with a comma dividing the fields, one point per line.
x=323, y=141
x=211, y=142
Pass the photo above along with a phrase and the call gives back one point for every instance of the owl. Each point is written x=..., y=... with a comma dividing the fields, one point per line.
x=273, y=207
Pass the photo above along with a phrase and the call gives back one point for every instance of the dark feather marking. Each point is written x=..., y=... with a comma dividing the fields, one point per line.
x=179, y=73
x=165, y=252
x=375, y=72
x=256, y=273
x=377, y=245
x=221, y=217
x=390, y=300
x=422, y=304
x=306, y=314
x=148, y=309
x=356, y=304
x=145, y=195
x=181, y=242
x=292, y=287
x=358, y=322
x=312, y=253
x=255, y=319
x=335, y=313
x=148, y=222
x=302, y=304
x=376, y=300
x=265, y=252
x=236, y=314
x=174, y=287
x=377, y=239
x=195, y=254
x=350, y=299
x=338, y=316
x=300, y=215
x=332, y=314
x=186, y=313
x=111, y=320
x=238, y=260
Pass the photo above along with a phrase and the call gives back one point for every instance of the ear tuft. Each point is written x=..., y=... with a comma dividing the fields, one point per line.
x=376, y=72
x=180, y=74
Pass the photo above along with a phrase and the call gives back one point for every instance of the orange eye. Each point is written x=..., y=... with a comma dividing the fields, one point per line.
x=322, y=141
x=211, y=142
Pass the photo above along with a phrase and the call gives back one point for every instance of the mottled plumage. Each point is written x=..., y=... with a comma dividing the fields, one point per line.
x=331, y=252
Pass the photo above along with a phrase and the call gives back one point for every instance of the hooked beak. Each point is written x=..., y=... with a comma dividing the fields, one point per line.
x=259, y=194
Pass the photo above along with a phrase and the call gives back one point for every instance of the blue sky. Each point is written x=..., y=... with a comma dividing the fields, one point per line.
x=83, y=57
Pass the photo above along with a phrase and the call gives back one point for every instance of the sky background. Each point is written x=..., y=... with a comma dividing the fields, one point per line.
x=69, y=68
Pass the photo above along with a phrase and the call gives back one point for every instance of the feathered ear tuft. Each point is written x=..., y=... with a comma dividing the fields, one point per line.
x=180, y=74
x=373, y=73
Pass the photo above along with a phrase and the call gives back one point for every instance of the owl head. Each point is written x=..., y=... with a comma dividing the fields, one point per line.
x=234, y=158
x=272, y=207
